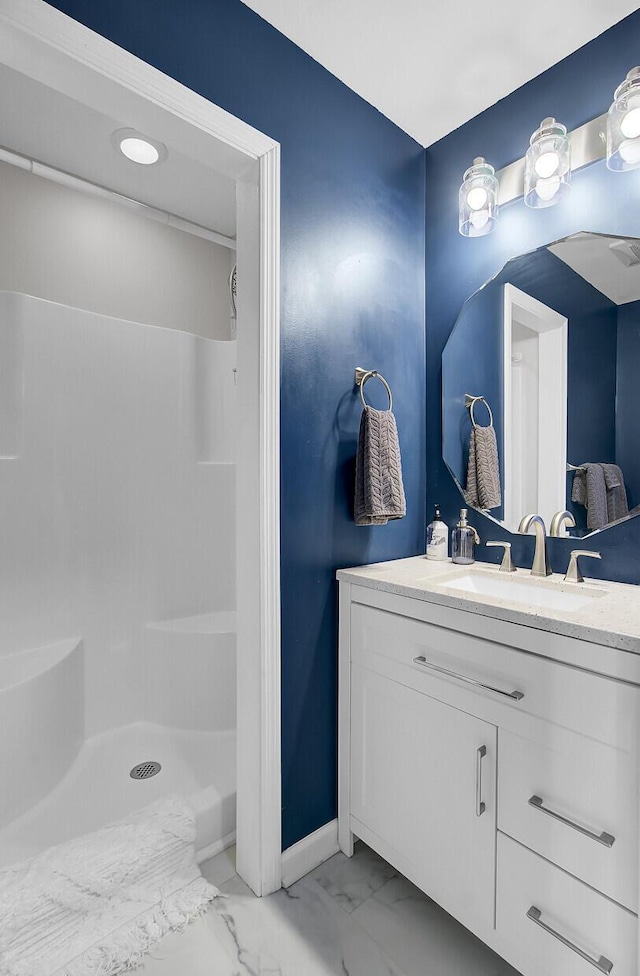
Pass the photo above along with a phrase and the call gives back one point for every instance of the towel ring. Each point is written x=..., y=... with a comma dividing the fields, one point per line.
x=361, y=378
x=470, y=402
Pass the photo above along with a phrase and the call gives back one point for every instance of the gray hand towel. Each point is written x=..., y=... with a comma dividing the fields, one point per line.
x=379, y=494
x=483, y=470
x=589, y=489
x=616, y=493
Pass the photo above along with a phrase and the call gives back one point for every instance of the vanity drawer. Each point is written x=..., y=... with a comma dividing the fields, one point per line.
x=592, y=786
x=576, y=916
x=602, y=708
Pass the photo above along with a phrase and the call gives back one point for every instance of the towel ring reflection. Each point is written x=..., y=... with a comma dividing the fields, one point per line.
x=362, y=375
x=470, y=402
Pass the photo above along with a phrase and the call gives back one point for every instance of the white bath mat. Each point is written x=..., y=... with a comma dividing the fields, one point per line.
x=95, y=905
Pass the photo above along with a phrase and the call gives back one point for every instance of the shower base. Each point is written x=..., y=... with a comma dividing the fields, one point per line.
x=98, y=788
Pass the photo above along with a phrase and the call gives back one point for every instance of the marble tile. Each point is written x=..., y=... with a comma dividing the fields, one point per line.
x=236, y=887
x=351, y=880
x=343, y=919
x=421, y=938
x=195, y=952
x=300, y=931
x=221, y=867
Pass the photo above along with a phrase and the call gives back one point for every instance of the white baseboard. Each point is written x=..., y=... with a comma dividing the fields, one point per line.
x=204, y=853
x=309, y=852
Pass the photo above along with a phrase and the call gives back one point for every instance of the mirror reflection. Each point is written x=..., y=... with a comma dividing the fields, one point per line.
x=541, y=388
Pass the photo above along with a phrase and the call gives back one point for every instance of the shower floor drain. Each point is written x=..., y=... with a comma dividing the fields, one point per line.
x=145, y=770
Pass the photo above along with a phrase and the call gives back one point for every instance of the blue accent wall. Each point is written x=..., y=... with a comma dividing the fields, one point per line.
x=353, y=203
x=575, y=90
x=353, y=275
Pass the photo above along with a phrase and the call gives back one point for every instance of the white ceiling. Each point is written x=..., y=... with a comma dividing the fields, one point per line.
x=590, y=255
x=397, y=56
x=52, y=128
x=431, y=66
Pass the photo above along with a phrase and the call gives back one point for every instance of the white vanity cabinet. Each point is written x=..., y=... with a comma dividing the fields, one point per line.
x=405, y=747
x=498, y=773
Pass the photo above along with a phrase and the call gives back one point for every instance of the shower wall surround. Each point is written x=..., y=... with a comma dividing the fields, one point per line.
x=577, y=89
x=69, y=247
x=117, y=485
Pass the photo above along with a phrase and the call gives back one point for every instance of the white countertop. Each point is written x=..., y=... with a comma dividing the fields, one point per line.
x=612, y=618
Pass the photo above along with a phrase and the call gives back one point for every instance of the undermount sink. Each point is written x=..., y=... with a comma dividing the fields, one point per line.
x=533, y=592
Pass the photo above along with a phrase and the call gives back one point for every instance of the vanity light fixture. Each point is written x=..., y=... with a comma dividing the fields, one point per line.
x=478, y=200
x=623, y=124
x=547, y=169
x=543, y=176
x=138, y=147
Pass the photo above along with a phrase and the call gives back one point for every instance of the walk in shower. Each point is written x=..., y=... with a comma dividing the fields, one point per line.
x=117, y=577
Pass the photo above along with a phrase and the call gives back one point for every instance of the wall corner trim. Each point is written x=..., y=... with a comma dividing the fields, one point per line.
x=309, y=852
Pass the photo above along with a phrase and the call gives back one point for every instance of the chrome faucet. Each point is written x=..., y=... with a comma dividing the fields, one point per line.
x=540, y=565
x=558, y=520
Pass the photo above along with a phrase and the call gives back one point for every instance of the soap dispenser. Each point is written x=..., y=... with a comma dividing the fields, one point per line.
x=437, y=537
x=464, y=538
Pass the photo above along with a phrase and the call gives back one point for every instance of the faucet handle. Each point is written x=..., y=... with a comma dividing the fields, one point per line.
x=573, y=574
x=506, y=566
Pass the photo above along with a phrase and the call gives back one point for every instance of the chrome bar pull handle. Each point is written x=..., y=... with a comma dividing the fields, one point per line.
x=604, y=838
x=422, y=661
x=480, y=806
x=602, y=964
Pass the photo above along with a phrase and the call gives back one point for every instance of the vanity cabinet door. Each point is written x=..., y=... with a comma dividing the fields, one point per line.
x=423, y=778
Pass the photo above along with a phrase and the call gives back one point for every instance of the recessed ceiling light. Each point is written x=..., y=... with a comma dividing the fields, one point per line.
x=138, y=147
x=139, y=151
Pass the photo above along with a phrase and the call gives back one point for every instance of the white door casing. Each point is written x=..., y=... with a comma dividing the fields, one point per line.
x=535, y=408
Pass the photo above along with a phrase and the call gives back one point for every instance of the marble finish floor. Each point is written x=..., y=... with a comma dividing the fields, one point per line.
x=349, y=917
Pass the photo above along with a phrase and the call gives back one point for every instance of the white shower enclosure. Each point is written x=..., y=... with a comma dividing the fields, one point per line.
x=117, y=577
x=132, y=597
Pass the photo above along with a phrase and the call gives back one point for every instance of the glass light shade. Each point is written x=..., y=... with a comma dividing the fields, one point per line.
x=478, y=200
x=623, y=125
x=547, y=169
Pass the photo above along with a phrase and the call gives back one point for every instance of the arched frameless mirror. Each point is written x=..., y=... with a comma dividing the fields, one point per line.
x=551, y=344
